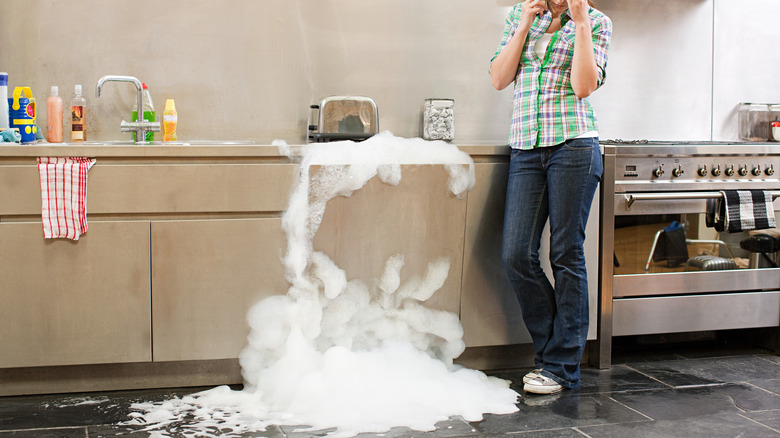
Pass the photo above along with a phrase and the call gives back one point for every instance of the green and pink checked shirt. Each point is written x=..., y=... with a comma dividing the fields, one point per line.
x=546, y=110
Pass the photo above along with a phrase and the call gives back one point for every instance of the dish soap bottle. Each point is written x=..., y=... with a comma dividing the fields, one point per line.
x=170, y=120
x=54, y=116
x=78, y=117
x=148, y=112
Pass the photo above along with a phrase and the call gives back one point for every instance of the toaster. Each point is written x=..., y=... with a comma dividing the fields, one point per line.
x=343, y=118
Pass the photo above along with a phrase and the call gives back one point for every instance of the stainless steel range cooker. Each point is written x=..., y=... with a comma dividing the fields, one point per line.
x=648, y=190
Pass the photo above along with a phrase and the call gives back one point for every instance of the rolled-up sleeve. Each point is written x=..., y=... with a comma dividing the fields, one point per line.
x=602, y=35
x=509, y=30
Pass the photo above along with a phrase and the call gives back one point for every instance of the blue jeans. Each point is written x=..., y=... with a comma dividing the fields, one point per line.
x=555, y=183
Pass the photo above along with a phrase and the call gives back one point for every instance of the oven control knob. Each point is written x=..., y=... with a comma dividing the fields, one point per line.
x=678, y=171
x=716, y=170
x=702, y=171
x=658, y=171
x=730, y=170
x=757, y=170
x=743, y=170
x=770, y=170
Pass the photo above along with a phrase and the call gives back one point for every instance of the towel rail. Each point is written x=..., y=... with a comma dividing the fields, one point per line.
x=630, y=199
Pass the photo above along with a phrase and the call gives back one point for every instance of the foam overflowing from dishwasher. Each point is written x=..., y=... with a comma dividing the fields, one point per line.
x=340, y=354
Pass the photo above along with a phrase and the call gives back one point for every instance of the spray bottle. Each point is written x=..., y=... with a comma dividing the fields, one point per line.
x=148, y=112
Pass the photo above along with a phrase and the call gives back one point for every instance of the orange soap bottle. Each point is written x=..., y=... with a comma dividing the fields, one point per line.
x=170, y=120
x=54, y=116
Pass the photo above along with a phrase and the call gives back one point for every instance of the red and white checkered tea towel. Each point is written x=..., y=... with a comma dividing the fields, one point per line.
x=64, y=196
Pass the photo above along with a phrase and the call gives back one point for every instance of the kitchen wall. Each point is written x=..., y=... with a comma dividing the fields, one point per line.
x=249, y=69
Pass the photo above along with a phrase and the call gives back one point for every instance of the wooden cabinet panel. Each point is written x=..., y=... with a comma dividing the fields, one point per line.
x=419, y=218
x=206, y=274
x=66, y=302
x=185, y=188
x=161, y=188
x=490, y=313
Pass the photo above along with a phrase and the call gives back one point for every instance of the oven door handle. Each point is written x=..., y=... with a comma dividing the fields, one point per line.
x=630, y=199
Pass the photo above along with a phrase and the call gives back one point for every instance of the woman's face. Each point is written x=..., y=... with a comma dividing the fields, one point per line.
x=557, y=6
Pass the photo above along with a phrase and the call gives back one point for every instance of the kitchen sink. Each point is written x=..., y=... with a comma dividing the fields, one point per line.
x=169, y=143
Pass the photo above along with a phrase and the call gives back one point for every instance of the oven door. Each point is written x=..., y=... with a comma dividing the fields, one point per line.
x=663, y=246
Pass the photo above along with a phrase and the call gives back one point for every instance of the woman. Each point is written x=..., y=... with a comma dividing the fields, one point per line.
x=555, y=52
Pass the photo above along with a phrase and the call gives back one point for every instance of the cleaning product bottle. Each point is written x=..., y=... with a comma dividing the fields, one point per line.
x=170, y=120
x=78, y=116
x=4, y=104
x=148, y=112
x=54, y=116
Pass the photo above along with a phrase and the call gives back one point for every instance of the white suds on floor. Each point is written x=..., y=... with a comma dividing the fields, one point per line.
x=339, y=354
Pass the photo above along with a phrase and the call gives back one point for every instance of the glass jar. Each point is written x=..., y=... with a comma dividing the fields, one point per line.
x=439, y=119
x=754, y=123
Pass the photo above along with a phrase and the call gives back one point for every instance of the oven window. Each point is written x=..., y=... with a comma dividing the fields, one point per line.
x=683, y=242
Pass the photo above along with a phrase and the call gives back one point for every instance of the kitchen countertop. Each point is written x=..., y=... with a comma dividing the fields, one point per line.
x=202, y=149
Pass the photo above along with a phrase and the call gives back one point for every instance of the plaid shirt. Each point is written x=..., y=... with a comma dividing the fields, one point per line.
x=546, y=110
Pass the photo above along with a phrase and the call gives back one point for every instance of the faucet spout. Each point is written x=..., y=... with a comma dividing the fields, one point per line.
x=118, y=78
x=141, y=127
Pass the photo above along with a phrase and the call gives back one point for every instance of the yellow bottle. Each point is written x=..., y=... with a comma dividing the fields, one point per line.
x=170, y=120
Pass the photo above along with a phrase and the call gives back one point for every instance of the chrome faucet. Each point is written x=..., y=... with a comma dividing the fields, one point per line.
x=141, y=127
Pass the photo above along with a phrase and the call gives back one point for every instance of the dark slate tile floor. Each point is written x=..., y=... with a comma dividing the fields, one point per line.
x=682, y=390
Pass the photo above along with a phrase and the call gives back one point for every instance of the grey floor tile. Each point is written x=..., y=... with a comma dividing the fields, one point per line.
x=175, y=430
x=618, y=378
x=771, y=385
x=69, y=432
x=770, y=419
x=720, y=425
x=453, y=428
x=679, y=404
x=552, y=433
x=569, y=409
x=703, y=371
x=615, y=379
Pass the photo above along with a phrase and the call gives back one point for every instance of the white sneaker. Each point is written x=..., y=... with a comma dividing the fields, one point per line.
x=531, y=375
x=542, y=385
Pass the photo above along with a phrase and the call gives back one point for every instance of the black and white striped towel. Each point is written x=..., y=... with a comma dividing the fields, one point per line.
x=743, y=210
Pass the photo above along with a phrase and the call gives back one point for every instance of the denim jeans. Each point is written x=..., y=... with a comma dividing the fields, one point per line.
x=555, y=183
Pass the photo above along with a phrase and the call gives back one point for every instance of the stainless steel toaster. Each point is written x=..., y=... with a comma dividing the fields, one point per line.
x=343, y=118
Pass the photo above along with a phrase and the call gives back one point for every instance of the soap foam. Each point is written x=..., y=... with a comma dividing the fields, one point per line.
x=338, y=354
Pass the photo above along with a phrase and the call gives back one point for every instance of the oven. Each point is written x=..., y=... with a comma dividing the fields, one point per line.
x=663, y=268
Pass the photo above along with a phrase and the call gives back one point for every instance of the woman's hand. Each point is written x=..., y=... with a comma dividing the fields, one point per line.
x=504, y=67
x=531, y=8
x=578, y=9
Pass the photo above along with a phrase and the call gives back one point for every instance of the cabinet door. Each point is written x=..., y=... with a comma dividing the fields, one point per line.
x=490, y=313
x=206, y=274
x=419, y=218
x=66, y=302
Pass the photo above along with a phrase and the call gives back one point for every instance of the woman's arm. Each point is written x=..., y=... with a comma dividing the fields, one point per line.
x=584, y=71
x=503, y=69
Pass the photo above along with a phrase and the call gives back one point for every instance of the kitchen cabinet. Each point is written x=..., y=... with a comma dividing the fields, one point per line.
x=70, y=303
x=183, y=241
x=206, y=274
x=179, y=247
